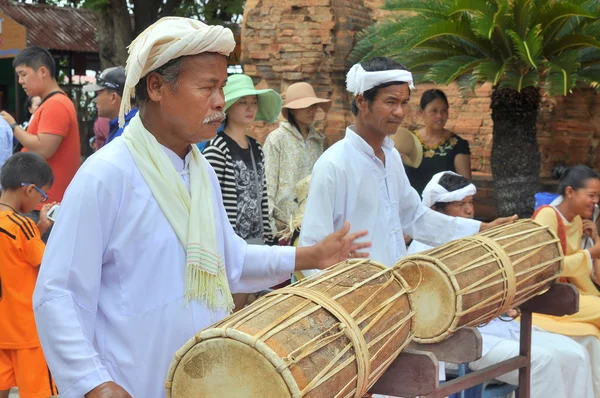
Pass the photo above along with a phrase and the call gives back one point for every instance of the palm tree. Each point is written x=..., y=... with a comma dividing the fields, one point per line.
x=522, y=47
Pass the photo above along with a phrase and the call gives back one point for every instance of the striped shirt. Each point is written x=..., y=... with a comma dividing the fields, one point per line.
x=218, y=154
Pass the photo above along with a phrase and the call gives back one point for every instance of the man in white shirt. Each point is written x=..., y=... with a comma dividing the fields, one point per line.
x=560, y=366
x=361, y=178
x=143, y=256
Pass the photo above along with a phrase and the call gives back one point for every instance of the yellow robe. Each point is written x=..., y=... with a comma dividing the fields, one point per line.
x=577, y=269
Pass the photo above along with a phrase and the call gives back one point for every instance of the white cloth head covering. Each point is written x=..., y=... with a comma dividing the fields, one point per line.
x=359, y=80
x=167, y=39
x=434, y=192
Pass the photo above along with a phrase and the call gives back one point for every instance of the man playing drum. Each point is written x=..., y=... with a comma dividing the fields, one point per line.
x=560, y=367
x=142, y=255
x=361, y=178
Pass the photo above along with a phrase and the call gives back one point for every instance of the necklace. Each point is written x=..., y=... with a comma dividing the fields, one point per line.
x=10, y=207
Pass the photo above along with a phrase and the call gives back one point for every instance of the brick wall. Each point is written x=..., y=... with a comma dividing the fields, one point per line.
x=287, y=41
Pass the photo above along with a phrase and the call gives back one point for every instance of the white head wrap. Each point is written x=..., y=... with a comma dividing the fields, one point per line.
x=359, y=80
x=167, y=39
x=434, y=192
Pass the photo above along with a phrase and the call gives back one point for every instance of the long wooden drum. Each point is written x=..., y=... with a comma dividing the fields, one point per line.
x=470, y=281
x=331, y=335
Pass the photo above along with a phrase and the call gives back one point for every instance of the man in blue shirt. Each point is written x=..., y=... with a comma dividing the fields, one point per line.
x=109, y=94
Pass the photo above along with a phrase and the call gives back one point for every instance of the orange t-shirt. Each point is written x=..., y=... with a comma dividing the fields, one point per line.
x=57, y=116
x=21, y=251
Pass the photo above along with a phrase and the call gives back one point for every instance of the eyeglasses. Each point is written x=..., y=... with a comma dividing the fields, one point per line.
x=44, y=196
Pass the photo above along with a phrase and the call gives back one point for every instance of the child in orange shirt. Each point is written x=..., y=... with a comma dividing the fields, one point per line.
x=25, y=177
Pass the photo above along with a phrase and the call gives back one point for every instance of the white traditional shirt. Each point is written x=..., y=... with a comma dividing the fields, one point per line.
x=349, y=183
x=109, y=301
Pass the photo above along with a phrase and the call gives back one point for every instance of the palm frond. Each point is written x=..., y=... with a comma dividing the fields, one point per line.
x=571, y=41
x=557, y=14
x=469, y=6
x=530, y=49
x=562, y=75
x=521, y=13
x=489, y=71
x=590, y=76
x=446, y=71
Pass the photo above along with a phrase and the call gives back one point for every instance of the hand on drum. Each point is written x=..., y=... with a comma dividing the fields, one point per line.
x=336, y=247
x=497, y=222
x=108, y=390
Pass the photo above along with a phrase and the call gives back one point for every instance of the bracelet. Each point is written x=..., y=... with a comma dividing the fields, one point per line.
x=13, y=126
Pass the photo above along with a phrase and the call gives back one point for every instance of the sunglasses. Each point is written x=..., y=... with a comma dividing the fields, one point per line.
x=44, y=196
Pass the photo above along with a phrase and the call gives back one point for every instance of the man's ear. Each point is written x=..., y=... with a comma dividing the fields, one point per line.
x=155, y=85
x=361, y=102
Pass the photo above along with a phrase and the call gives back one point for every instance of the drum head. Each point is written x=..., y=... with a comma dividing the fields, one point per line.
x=434, y=301
x=222, y=367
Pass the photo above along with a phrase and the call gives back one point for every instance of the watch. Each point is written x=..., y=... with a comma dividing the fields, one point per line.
x=13, y=125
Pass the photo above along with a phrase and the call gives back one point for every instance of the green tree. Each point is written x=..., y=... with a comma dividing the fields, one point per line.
x=522, y=47
x=119, y=21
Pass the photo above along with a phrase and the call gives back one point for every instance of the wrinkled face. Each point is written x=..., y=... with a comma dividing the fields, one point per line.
x=35, y=104
x=582, y=200
x=435, y=114
x=462, y=208
x=33, y=197
x=31, y=80
x=387, y=110
x=305, y=116
x=107, y=103
x=194, y=109
x=243, y=111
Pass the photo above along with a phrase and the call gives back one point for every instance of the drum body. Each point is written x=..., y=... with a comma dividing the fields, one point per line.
x=331, y=335
x=471, y=281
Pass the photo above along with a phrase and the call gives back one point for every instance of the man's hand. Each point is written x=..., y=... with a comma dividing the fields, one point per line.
x=6, y=116
x=44, y=222
x=336, y=247
x=590, y=229
x=497, y=221
x=108, y=390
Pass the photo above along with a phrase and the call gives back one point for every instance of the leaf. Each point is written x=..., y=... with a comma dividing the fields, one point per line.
x=446, y=71
x=469, y=6
x=557, y=14
x=561, y=76
x=489, y=71
x=521, y=10
x=530, y=49
x=570, y=41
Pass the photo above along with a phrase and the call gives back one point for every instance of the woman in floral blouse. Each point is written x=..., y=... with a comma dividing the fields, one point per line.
x=292, y=150
x=442, y=149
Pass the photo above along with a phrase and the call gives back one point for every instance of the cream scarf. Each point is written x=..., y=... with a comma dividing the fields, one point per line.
x=191, y=216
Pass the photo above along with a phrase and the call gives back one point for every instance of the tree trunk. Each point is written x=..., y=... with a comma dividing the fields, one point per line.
x=114, y=34
x=516, y=156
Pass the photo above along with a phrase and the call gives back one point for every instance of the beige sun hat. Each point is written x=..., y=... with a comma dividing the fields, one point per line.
x=300, y=96
x=409, y=146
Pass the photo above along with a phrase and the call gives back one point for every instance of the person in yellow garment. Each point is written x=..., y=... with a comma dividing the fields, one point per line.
x=580, y=190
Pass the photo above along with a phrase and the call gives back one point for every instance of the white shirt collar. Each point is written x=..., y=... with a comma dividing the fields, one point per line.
x=181, y=165
x=362, y=145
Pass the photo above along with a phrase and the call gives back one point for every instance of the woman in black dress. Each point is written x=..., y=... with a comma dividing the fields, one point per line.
x=442, y=149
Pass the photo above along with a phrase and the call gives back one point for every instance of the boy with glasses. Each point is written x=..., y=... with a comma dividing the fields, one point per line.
x=25, y=178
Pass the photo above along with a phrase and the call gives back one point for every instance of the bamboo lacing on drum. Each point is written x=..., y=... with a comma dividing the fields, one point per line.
x=350, y=329
x=510, y=281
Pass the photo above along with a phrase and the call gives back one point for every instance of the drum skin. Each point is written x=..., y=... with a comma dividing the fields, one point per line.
x=471, y=281
x=330, y=335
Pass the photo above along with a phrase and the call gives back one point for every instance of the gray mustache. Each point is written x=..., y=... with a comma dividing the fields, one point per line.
x=213, y=118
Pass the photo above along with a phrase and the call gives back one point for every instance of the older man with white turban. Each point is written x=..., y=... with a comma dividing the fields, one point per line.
x=560, y=366
x=142, y=255
x=361, y=178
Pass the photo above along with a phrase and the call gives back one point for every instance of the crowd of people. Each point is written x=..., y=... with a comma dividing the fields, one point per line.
x=181, y=214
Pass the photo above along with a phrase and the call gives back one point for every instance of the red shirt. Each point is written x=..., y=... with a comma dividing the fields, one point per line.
x=56, y=115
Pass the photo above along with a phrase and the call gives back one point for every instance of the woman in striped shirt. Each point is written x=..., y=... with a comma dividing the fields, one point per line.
x=239, y=162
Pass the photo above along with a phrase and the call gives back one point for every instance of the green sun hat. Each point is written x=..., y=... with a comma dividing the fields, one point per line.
x=269, y=101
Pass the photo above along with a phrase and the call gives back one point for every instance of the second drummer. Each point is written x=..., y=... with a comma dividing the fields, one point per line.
x=361, y=178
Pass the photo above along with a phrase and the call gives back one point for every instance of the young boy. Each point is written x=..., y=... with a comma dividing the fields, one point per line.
x=25, y=178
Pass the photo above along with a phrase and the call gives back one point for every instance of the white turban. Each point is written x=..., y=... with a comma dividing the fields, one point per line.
x=167, y=39
x=359, y=80
x=434, y=192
